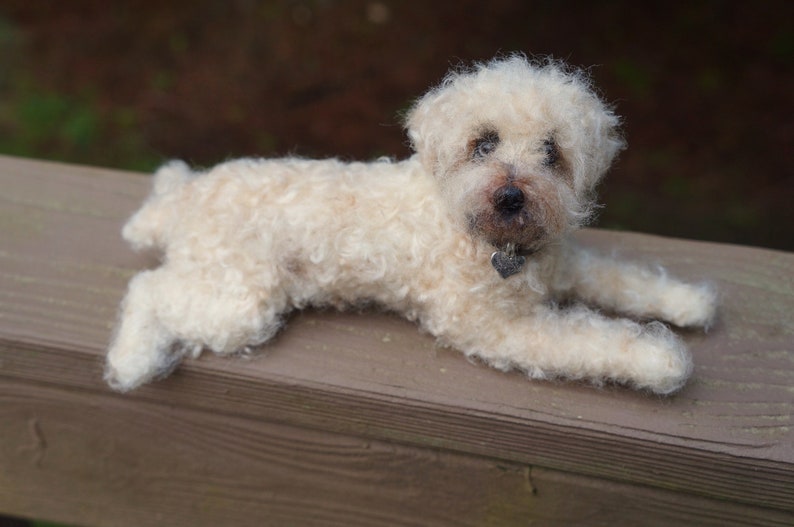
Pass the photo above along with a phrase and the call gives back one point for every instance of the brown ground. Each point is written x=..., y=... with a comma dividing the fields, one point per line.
x=705, y=89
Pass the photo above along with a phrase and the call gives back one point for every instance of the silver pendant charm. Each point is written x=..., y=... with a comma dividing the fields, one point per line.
x=507, y=262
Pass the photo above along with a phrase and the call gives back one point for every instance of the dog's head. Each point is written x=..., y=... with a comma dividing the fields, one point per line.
x=516, y=147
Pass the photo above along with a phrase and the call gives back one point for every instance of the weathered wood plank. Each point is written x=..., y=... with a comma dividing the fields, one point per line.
x=727, y=436
x=94, y=459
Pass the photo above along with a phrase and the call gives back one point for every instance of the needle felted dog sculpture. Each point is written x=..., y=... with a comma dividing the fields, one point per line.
x=468, y=237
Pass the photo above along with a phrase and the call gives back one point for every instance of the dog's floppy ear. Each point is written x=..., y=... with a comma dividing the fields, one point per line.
x=418, y=122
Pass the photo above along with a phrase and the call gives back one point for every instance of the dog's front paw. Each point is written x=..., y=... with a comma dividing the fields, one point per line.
x=660, y=360
x=688, y=305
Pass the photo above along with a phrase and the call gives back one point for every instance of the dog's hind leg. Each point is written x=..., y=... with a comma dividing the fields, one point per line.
x=169, y=313
x=142, y=347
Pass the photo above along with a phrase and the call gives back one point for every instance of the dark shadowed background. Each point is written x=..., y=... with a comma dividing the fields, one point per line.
x=705, y=89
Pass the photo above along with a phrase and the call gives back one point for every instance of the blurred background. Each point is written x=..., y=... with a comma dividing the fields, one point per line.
x=705, y=88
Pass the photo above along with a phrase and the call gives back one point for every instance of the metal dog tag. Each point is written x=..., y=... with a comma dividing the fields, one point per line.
x=507, y=262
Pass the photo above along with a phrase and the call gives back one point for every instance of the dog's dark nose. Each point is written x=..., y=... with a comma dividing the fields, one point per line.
x=508, y=200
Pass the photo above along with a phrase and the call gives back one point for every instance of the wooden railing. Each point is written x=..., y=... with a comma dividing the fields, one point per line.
x=358, y=419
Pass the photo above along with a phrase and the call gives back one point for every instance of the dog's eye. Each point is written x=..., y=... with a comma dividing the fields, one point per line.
x=485, y=145
x=551, y=152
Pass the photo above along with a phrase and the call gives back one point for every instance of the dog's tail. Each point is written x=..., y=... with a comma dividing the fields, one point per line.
x=146, y=227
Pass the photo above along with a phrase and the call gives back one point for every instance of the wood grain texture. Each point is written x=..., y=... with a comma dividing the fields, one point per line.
x=101, y=460
x=726, y=436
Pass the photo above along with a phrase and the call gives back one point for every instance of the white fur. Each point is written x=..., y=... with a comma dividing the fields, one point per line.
x=250, y=240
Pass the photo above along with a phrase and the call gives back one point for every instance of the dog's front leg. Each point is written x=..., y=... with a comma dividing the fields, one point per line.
x=635, y=290
x=576, y=344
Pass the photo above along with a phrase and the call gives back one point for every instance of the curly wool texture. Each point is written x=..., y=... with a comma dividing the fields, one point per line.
x=250, y=240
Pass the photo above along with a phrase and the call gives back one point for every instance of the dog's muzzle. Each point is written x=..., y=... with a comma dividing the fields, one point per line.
x=508, y=200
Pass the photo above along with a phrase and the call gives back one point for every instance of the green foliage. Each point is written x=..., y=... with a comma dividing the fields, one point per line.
x=49, y=118
x=36, y=121
x=42, y=124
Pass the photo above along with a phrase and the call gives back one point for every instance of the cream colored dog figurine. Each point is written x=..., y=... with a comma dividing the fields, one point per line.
x=467, y=237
